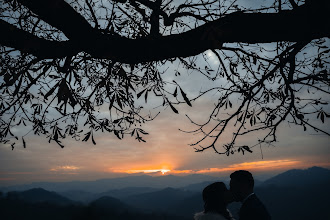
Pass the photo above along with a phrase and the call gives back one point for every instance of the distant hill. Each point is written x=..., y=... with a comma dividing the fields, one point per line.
x=103, y=185
x=197, y=187
x=79, y=195
x=310, y=176
x=87, y=197
x=294, y=194
x=160, y=200
x=39, y=195
x=110, y=204
x=36, y=206
x=126, y=192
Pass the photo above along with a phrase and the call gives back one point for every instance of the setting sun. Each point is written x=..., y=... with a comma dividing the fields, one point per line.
x=164, y=171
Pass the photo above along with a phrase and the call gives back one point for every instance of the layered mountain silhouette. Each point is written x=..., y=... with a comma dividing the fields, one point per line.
x=295, y=194
x=110, y=204
x=162, y=200
x=103, y=185
x=39, y=195
x=49, y=205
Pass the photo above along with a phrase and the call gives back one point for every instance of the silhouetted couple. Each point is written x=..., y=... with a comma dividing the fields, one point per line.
x=216, y=198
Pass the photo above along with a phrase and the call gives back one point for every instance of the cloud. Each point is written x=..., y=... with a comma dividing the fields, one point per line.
x=64, y=168
x=256, y=165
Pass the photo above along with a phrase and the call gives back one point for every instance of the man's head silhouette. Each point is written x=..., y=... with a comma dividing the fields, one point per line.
x=241, y=184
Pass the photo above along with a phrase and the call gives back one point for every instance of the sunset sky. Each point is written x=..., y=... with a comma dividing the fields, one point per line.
x=166, y=151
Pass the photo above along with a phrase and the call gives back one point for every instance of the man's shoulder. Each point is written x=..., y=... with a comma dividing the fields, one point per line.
x=253, y=208
x=253, y=200
x=208, y=216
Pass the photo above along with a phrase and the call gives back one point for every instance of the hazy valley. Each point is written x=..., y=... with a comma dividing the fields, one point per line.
x=295, y=194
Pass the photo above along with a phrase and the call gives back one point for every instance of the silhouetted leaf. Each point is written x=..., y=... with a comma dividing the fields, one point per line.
x=247, y=148
x=175, y=92
x=173, y=109
x=142, y=131
x=50, y=92
x=117, y=134
x=300, y=116
x=185, y=97
x=122, y=73
x=254, y=60
x=119, y=102
x=146, y=96
x=93, y=140
x=53, y=76
x=117, y=120
x=322, y=117
x=251, y=121
x=111, y=102
x=18, y=86
x=24, y=144
x=55, y=137
x=59, y=143
x=140, y=93
x=88, y=134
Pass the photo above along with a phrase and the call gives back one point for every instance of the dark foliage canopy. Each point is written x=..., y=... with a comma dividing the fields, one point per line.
x=74, y=67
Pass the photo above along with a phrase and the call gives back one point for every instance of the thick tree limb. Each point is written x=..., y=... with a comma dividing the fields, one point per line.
x=12, y=36
x=60, y=15
x=303, y=23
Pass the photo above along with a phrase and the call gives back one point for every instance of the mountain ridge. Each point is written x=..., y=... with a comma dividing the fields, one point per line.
x=310, y=176
x=284, y=201
x=103, y=185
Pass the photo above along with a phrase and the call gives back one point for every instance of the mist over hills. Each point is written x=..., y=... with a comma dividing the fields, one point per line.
x=102, y=185
x=294, y=194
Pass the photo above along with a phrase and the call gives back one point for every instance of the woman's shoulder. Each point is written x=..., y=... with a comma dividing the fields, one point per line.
x=208, y=216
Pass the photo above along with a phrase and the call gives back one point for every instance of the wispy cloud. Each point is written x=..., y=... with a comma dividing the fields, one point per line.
x=256, y=165
x=64, y=168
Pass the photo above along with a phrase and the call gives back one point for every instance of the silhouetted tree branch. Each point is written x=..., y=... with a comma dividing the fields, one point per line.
x=300, y=24
x=67, y=66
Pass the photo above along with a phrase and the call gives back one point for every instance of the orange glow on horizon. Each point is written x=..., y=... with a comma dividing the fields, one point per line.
x=256, y=165
x=163, y=169
x=262, y=165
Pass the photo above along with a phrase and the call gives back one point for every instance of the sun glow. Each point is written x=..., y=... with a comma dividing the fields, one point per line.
x=251, y=166
x=164, y=171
